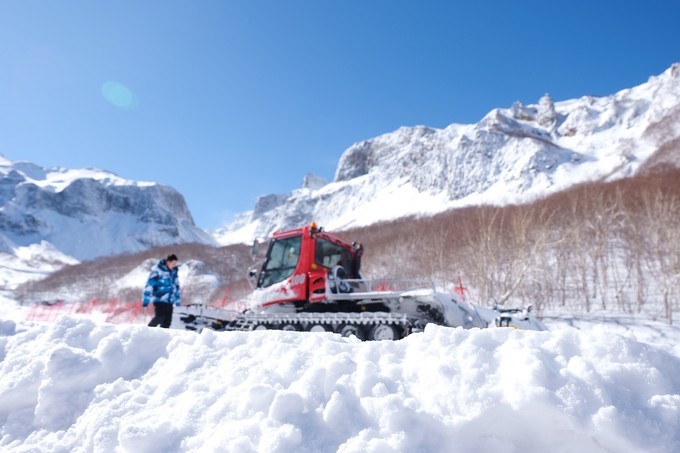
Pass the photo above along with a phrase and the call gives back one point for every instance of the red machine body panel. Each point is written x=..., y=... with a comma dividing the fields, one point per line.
x=298, y=262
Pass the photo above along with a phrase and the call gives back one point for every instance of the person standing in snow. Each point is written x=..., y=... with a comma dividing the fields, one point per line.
x=162, y=289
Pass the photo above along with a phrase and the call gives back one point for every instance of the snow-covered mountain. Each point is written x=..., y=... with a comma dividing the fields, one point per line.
x=512, y=155
x=87, y=213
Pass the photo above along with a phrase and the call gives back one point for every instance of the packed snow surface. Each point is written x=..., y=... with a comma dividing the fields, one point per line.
x=79, y=385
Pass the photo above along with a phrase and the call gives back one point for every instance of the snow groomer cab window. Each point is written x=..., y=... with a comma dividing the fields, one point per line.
x=329, y=254
x=282, y=260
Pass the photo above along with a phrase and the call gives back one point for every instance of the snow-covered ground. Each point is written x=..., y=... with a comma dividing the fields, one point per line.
x=588, y=385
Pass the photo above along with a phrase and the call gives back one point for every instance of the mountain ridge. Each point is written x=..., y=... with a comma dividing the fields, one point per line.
x=50, y=217
x=512, y=155
x=83, y=214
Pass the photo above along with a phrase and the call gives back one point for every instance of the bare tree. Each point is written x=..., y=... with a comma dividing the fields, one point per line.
x=663, y=244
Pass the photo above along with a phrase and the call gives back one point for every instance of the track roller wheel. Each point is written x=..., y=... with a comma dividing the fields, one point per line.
x=384, y=332
x=317, y=327
x=347, y=330
x=261, y=327
x=288, y=327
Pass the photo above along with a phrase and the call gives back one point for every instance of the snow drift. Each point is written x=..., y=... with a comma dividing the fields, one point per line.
x=78, y=385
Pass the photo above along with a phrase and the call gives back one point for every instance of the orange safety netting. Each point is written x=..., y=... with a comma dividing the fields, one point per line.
x=114, y=311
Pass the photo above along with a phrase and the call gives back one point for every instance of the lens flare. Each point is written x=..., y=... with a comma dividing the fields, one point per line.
x=119, y=95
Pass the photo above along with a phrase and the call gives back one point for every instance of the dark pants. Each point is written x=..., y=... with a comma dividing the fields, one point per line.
x=163, y=315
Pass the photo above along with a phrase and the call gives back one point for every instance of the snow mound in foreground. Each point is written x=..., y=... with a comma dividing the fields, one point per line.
x=79, y=385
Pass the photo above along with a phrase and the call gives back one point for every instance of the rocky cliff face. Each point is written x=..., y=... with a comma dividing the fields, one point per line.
x=88, y=213
x=512, y=155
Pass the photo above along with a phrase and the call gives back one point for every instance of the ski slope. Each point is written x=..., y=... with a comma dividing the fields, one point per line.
x=81, y=385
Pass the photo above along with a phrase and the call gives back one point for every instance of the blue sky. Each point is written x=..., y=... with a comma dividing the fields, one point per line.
x=229, y=100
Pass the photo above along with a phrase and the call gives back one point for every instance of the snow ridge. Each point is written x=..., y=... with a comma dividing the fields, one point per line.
x=78, y=385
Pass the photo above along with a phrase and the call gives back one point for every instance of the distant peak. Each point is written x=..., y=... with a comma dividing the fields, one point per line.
x=313, y=182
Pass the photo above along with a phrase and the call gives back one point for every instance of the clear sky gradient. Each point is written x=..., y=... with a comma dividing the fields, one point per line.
x=232, y=99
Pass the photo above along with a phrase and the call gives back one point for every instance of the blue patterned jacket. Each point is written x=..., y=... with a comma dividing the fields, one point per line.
x=162, y=286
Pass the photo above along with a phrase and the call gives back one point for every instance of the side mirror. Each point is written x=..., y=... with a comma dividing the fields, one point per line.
x=252, y=273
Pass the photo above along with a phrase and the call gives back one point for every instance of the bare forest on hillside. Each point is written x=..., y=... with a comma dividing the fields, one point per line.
x=599, y=246
x=595, y=247
x=100, y=280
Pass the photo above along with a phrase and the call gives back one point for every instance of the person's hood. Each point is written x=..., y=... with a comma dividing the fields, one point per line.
x=164, y=267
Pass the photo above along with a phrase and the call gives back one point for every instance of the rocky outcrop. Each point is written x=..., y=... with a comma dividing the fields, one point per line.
x=89, y=213
x=512, y=155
